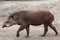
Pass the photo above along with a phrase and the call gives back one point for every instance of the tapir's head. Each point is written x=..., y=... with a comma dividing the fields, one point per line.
x=15, y=18
x=10, y=21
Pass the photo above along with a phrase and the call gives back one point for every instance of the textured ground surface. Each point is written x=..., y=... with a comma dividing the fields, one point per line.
x=7, y=8
x=35, y=33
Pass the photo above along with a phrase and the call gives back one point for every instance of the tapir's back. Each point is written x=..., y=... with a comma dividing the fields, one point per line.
x=39, y=16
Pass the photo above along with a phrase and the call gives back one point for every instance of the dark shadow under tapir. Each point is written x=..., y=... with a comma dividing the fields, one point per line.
x=31, y=17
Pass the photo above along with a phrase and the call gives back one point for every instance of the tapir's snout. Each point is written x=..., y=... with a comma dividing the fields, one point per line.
x=3, y=26
x=6, y=25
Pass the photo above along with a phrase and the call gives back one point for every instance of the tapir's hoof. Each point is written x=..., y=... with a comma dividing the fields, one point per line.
x=17, y=35
x=42, y=35
x=26, y=36
x=56, y=33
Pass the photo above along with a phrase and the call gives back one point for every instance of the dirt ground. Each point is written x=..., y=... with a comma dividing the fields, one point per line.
x=35, y=33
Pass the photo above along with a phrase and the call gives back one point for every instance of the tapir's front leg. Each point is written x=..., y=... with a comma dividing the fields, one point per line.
x=20, y=29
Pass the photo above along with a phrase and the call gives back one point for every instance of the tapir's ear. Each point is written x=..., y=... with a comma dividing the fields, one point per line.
x=11, y=17
x=14, y=17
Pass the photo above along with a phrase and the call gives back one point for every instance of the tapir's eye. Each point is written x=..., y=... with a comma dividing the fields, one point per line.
x=6, y=22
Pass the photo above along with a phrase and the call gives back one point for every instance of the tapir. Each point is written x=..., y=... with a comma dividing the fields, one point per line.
x=25, y=18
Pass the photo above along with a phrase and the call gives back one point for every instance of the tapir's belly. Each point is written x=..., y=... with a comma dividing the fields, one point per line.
x=36, y=22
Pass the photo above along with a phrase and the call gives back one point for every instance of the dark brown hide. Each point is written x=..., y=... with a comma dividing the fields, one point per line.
x=33, y=17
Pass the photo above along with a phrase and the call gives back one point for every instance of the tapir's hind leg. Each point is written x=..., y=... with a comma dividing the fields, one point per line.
x=27, y=30
x=45, y=29
x=51, y=26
